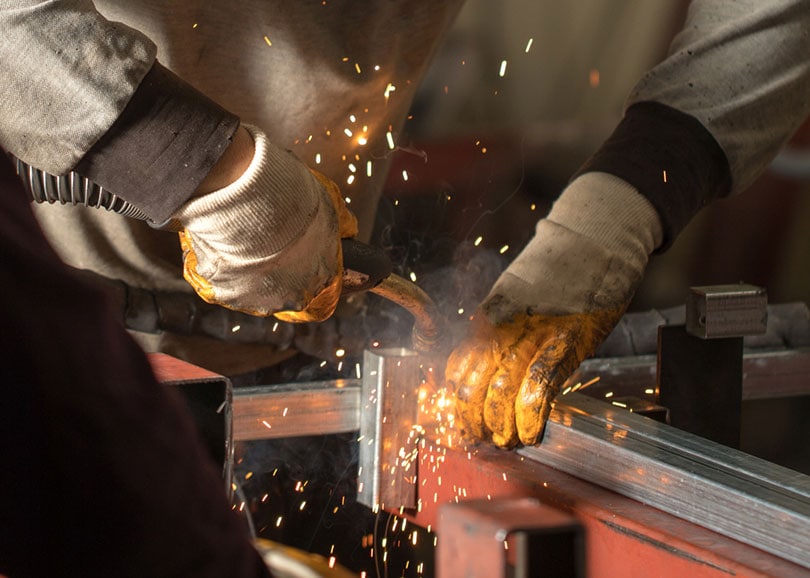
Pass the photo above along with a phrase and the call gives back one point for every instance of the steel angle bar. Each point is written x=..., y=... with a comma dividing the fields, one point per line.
x=724, y=490
x=388, y=441
x=298, y=409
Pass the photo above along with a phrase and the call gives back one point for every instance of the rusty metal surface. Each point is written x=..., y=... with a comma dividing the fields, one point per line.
x=300, y=409
x=209, y=398
x=623, y=536
x=515, y=538
x=168, y=369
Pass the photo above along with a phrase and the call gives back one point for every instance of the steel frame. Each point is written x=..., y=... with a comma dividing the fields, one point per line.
x=649, y=496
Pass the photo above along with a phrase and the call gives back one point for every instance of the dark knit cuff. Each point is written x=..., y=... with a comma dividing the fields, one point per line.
x=670, y=158
x=162, y=146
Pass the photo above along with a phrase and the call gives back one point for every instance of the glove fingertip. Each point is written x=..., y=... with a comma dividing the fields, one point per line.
x=531, y=421
x=504, y=442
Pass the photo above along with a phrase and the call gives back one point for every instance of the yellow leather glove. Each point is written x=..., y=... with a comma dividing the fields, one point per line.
x=551, y=308
x=268, y=244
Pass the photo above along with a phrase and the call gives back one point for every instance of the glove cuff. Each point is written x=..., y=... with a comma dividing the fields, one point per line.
x=609, y=211
x=296, y=199
x=267, y=242
x=588, y=254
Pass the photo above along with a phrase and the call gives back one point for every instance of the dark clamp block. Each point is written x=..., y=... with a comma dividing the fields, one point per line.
x=700, y=363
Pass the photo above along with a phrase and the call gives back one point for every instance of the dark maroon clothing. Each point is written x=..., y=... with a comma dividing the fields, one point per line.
x=103, y=471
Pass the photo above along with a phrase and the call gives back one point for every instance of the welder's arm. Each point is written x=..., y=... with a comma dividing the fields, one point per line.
x=706, y=121
x=702, y=124
x=85, y=94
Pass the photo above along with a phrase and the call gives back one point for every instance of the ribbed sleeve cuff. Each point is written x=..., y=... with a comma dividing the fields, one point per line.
x=162, y=146
x=670, y=158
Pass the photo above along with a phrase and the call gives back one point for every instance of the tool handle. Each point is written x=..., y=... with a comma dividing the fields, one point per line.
x=364, y=266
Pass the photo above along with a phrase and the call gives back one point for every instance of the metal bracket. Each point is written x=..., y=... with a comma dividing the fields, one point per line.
x=517, y=538
x=718, y=311
x=388, y=434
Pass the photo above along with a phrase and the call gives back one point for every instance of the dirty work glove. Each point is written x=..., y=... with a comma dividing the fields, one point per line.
x=269, y=243
x=551, y=308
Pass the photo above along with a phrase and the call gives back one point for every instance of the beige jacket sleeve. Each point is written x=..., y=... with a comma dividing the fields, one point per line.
x=742, y=69
x=706, y=121
x=67, y=75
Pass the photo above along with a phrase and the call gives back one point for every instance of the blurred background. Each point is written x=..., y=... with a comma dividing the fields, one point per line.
x=522, y=92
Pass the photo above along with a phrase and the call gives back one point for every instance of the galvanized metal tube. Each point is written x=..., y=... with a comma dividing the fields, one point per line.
x=388, y=438
x=724, y=490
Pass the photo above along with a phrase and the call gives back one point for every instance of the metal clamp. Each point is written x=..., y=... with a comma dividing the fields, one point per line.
x=700, y=363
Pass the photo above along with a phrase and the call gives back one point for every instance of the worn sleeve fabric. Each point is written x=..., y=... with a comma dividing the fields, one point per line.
x=67, y=75
x=732, y=91
x=82, y=92
x=162, y=145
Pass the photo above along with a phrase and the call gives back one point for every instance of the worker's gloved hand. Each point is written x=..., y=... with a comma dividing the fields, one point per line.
x=551, y=308
x=269, y=243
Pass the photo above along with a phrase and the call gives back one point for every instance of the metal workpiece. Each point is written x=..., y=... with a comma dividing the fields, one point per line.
x=700, y=364
x=515, y=538
x=296, y=409
x=719, y=311
x=743, y=499
x=721, y=489
x=727, y=491
x=700, y=382
x=209, y=399
x=325, y=407
x=388, y=429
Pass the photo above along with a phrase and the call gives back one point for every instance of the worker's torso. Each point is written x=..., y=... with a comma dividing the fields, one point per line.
x=329, y=80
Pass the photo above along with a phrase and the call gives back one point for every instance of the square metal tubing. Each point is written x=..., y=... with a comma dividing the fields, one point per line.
x=514, y=538
x=388, y=436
